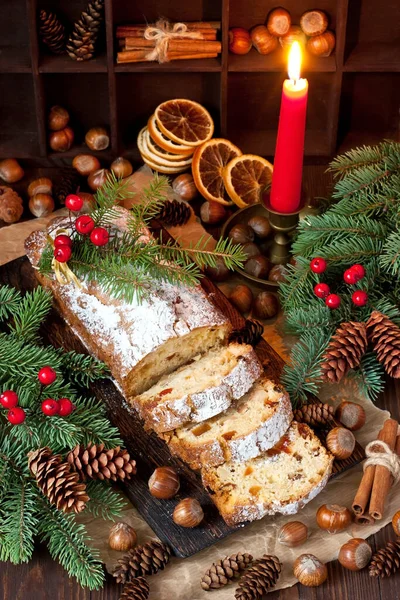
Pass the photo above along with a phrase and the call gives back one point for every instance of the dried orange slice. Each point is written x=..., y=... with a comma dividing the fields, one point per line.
x=156, y=150
x=246, y=178
x=209, y=162
x=162, y=168
x=161, y=140
x=164, y=161
x=185, y=122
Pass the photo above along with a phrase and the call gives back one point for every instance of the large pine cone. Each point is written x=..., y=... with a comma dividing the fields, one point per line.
x=225, y=570
x=251, y=333
x=94, y=462
x=82, y=41
x=174, y=213
x=385, y=338
x=386, y=561
x=141, y=561
x=316, y=414
x=345, y=350
x=137, y=589
x=259, y=578
x=56, y=481
x=52, y=32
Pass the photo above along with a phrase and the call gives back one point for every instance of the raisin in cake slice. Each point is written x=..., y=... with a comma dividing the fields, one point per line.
x=200, y=390
x=139, y=342
x=282, y=480
x=253, y=424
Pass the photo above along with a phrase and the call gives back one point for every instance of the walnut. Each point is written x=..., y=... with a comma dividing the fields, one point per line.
x=11, y=207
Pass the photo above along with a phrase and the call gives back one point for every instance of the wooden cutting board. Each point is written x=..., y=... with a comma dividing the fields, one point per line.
x=149, y=451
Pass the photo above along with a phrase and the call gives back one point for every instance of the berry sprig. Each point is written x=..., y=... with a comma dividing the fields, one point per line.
x=351, y=276
x=9, y=400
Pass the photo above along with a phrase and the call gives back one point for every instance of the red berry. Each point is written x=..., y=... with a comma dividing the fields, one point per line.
x=62, y=253
x=84, y=224
x=47, y=376
x=62, y=240
x=99, y=236
x=65, y=407
x=50, y=407
x=9, y=399
x=74, y=202
x=321, y=290
x=16, y=415
x=359, y=298
x=350, y=277
x=318, y=265
x=332, y=301
x=359, y=271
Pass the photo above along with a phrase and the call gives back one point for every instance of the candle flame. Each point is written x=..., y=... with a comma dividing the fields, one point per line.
x=294, y=61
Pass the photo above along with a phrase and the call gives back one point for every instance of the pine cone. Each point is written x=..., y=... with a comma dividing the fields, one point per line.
x=385, y=338
x=315, y=414
x=52, y=32
x=345, y=350
x=56, y=481
x=82, y=41
x=68, y=184
x=251, y=333
x=137, y=589
x=223, y=571
x=174, y=213
x=141, y=561
x=94, y=462
x=386, y=561
x=259, y=578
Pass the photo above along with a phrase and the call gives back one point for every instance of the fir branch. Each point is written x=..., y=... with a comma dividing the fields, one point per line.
x=390, y=258
x=83, y=369
x=108, y=197
x=376, y=206
x=369, y=376
x=30, y=313
x=359, y=158
x=57, y=433
x=105, y=502
x=299, y=280
x=354, y=250
x=303, y=376
x=68, y=543
x=95, y=427
x=151, y=200
x=19, y=522
x=9, y=301
x=392, y=311
x=204, y=256
x=300, y=319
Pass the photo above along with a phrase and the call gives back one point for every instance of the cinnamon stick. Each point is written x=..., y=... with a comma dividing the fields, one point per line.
x=192, y=46
x=134, y=40
x=383, y=477
x=178, y=56
x=363, y=494
x=132, y=56
x=364, y=519
x=123, y=30
x=140, y=56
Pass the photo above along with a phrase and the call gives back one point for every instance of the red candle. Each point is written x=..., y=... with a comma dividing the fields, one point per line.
x=288, y=162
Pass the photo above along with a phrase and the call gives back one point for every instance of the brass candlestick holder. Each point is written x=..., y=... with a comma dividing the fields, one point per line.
x=282, y=224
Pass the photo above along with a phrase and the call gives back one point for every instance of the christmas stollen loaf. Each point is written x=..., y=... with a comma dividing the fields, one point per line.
x=252, y=425
x=282, y=480
x=139, y=342
x=200, y=390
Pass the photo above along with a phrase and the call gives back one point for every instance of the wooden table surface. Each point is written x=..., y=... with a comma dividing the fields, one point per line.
x=43, y=579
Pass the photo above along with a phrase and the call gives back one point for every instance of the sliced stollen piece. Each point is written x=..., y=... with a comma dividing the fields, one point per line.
x=282, y=480
x=200, y=390
x=253, y=424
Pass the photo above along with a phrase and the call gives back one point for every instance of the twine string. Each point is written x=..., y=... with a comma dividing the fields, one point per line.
x=161, y=33
x=379, y=453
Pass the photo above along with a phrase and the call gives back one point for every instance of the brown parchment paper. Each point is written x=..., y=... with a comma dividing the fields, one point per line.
x=181, y=580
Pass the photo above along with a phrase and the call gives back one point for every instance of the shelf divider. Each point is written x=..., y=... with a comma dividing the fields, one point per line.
x=112, y=84
x=37, y=79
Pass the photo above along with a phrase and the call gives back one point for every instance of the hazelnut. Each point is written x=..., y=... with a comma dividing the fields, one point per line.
x=278, y=21
x=121, y=167
x=62, y=140
x=292, y=534
x=86, y=164
x=333, y=518
x=41, y=205
x=258, y=266
x=351, y=415
x=277, y=274
x=241, y=234
x=10, y=170
x=295, y=34
x=396, y=523
x=260, y=225
x=314, y=22
x=58, y=118
x=164, y=483
x=309, y=570
x=322, y=45
x=340, y=442
x=218, y=273
x=355, y=554
x=212, y=212
x=251, y=249
x=43, y=185
x=185, y=187
x=188, y=513
x=122, y=537
x=242, y=297
x=266, y=305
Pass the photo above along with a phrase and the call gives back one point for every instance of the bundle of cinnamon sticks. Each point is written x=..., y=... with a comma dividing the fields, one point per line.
x=168, y=41
x=369, y=502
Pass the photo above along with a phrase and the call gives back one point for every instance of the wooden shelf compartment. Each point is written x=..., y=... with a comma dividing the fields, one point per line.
x=53, y=63
x=251, y=13
x=369, y=108
x=374, y=57
x=18, y=126
x=139, y=94
x=175, y=10
x=277, y=62
x=253, y=112
x=85, y=96
x=14, y=39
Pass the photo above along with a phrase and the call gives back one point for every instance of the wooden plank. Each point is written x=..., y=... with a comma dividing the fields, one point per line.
x=148, y=449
